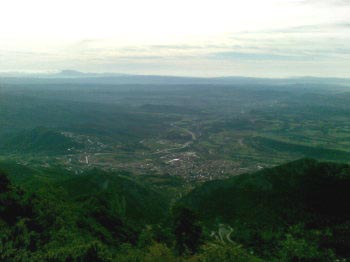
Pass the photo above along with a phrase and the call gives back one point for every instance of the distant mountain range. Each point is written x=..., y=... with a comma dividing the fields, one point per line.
x=72, y=76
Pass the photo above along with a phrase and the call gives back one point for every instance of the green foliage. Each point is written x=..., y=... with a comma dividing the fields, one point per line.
x=267, y=145
x=4, y=183
x=38, y=140
x=32, y=178
x=117, y=193
x=49, y=226
x=155, y=252
x=263, y=205
x=219, y=252
x=285, y=194
x=128, y=253
x=187, y=231
x=159, y=252
x=294, y=212
x=301, y=245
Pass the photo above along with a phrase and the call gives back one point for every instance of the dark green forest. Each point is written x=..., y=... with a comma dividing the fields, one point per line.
x=294, y=212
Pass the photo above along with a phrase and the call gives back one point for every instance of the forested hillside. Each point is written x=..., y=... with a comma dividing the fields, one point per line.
x=294, y=212
x=304, y=196
x=38, y=140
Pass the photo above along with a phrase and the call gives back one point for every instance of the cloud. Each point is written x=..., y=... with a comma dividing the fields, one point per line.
x=343, y=26
x=324, y=27
x=259, y=56
x=277, y=36
x=324, y=2
x=136, y=57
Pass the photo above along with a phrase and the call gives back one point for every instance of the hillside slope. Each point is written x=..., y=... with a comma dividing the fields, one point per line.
x=37, y=140
x=307, y=193
x=128, y=198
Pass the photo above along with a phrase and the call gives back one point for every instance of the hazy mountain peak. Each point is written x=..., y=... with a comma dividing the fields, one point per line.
x=69, y=72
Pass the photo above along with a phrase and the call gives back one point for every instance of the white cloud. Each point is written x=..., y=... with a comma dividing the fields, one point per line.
x=175, y=37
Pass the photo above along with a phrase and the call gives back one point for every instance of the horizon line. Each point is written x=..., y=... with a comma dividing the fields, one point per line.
x=78, y=73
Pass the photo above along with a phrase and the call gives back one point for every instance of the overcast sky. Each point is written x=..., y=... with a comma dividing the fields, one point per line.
x=266, y=38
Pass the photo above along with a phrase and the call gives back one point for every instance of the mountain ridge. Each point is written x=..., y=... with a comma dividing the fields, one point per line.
x=74, y=76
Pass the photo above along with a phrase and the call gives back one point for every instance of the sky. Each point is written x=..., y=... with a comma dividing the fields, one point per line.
x=258, y=38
